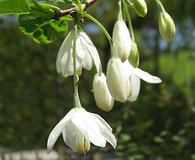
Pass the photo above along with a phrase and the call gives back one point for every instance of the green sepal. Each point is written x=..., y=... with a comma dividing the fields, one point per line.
x=140, y=7
x=134, y=55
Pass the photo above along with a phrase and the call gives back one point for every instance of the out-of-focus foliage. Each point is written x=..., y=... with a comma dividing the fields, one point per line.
x=14, y=6
x=158, y=126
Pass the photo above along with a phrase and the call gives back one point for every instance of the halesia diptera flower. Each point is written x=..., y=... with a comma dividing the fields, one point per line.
x=102, y=95
x=121, y=38
x=166, y=26
x=135, y=74
x=86, y=54
x=118, y=80
x=79, y=129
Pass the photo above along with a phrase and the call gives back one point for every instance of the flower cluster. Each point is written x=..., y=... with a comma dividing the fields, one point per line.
x=121, y=82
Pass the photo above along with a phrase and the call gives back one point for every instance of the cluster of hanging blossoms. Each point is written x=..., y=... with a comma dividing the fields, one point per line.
x=121, y=82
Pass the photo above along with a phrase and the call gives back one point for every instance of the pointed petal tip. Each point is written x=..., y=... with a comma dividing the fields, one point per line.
x=146, y=76
x=49, y=149
x=114, y=144
x=157, y=80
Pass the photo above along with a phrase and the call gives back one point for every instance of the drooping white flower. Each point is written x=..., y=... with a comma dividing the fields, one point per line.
x=86, y=54
x=135, y=74
x=79, y=128
x=102, y=95
x=121, y=37
x=118, y=80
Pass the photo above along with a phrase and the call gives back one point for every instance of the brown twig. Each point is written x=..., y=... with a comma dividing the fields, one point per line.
x=73, y=10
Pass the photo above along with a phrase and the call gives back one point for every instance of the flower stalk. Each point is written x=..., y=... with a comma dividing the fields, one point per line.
x=114, y=54
x=160, y=6
x=128, y=20
x=75, y=76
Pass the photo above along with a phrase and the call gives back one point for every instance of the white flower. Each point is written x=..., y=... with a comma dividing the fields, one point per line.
x=135, y=74
x=86, y=54
x=118, y=80
x=102, y=95
x=79, y=128
x=122, y=40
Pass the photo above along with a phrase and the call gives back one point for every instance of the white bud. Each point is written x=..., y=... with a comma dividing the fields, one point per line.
x=102, y=95
x=122, y=40
x=118, y=80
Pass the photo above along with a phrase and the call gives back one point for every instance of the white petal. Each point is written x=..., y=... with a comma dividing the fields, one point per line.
x=117, y=80
x=106, y=130
x=146, y=76
x=101, y=120
x=87, y=62
x=91, y=50
x=122, y=40
x=128, y=68
x=89, y=128
x=55, y=133
x=69, y=135
x=67, y=64
x=64, y=50
x=67, y=43
x=102, y=95
x=64, y=62
x=135, y=88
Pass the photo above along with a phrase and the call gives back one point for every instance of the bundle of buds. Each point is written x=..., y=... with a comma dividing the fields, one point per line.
x=121, y=83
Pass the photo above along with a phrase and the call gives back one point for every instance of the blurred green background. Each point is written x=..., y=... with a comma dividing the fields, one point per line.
x=160, y=125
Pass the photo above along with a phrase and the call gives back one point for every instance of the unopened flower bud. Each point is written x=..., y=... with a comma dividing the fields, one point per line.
x=102, y=95
x=166, y=26
x=122, y=40
x=118, y=80
x=134, y=55
x=140, y=7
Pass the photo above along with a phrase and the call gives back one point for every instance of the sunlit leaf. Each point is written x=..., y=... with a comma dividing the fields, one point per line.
x=43, y=29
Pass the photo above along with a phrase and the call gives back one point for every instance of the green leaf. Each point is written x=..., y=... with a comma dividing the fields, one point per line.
x=43, y=29
x=14, y=6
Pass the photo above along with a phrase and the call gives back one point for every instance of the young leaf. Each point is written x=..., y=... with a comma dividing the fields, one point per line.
x=14, y=6
x=43, y=29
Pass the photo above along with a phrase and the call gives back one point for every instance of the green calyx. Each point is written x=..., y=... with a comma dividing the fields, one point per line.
x=166, y=26
x=134, y=55
x=140, y=7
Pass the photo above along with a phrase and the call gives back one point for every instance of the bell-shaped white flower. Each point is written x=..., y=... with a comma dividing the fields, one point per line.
x=135, y=74
x=118, y=80
x=121, y=38
x=86, y=54
x=79, y=128
x=102, y=95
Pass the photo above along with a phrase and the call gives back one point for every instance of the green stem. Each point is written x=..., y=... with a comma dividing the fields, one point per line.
x=77, y=102
x=100, y=26
x=36, y=3
x=160, y=6
x=114, y=53
x=128, y=20
x=78, y=5
x=120, y=15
